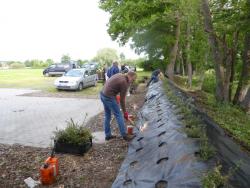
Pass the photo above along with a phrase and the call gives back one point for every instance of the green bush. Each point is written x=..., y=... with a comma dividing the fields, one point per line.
x=194, y=132
x=146, y=65
x=159, y=64
x=73, y=134
x=39, y=64
x=206, y=149
x=17, y=65
x=209, y=83
x=214, y=178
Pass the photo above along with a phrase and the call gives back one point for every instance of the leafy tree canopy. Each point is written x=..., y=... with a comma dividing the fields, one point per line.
x=106, y=56
x=65, y=59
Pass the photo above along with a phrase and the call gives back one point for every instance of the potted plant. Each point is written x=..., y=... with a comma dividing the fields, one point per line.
x=74, y=139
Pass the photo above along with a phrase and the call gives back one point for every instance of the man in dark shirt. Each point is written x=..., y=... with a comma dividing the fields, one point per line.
x=113, y=70
x=117, y=84
x=154, y=76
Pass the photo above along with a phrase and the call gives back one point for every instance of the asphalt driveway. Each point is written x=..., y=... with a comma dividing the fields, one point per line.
x=31, y=120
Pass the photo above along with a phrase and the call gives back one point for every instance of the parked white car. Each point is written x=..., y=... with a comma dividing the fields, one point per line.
x=76, y=79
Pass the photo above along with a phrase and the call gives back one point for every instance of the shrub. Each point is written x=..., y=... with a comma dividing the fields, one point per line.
x=39, y=64
x=209, y=83
x=17, y=65
x=206, y=150
x=73, y=134
x=214, y=178
x=146, y=65
x=194, y=132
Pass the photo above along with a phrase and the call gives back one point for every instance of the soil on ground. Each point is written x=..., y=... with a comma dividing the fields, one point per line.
x=96, y=169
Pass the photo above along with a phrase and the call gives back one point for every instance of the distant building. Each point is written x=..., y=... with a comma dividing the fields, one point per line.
x=4, y=64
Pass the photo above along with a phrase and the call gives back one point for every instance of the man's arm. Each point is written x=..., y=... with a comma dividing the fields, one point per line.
x=122, y=99
x=109, y=72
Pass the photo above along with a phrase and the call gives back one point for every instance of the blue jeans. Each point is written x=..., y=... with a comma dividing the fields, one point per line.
x=110, y=105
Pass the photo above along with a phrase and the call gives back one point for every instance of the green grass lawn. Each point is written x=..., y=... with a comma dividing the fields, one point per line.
x=25, y=78
x=140, y=74
x=34, y=79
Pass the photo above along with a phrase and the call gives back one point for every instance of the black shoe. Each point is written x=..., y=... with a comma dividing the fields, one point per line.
x=128, y=137
x=110, y=137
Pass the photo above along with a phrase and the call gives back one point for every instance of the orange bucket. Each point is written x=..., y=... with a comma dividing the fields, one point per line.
x=130, y=129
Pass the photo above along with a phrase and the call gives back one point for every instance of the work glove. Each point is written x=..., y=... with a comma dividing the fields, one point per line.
x=125, y=115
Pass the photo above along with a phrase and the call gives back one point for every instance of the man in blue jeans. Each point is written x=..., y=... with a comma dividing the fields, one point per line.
x=117, y=84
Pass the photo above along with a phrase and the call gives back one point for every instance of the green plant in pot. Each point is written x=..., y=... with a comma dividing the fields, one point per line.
x=75, y=138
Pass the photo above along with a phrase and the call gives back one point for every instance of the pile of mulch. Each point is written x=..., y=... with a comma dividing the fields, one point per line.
x=97, y=168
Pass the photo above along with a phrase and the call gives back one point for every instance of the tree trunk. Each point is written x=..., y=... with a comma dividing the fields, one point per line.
x=190, y=70
x=227, y=71
x=234, y=54
x=245, y=104
x=182, y=63
x=217, y=55
x=178, y=65
x=173, y=54
x=203, y=72
x=242, y=93
x=201, y=80
x=178, y=68
x=188, y=57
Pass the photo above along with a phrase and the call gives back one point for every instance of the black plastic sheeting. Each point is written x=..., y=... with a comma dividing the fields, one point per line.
x=228, y=152
x=161, y=155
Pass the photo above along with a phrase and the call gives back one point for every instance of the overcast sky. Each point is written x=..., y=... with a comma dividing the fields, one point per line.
x=42, y=29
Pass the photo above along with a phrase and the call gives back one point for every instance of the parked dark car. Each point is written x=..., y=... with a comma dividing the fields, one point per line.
x=57, y=69
x=92, y=65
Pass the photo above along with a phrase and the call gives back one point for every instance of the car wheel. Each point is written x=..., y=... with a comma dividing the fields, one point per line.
x=80, y=87
x=46, y=74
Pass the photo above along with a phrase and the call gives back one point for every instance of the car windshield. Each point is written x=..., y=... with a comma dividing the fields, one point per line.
x=74, y=73
x=86, y=65
x=52, y=66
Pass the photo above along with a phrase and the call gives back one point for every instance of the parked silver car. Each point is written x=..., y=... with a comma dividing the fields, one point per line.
x=76, y=79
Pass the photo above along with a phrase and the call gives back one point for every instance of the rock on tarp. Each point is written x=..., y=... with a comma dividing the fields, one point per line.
x=161, y=154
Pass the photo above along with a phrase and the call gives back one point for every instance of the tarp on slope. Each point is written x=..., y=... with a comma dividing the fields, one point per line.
x=161, y=155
